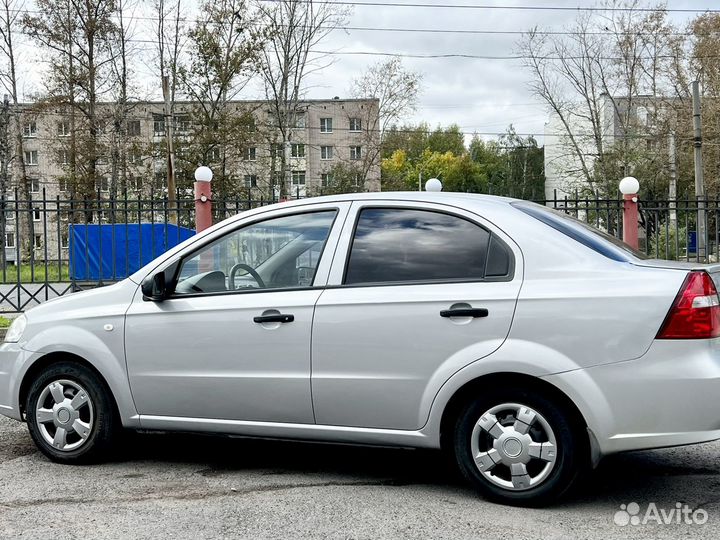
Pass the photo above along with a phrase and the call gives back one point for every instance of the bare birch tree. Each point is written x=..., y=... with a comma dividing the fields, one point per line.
x=295, y=29
x=10, y=23
x=394, y=91
x=595, y=80
x=170, y=38
x=122, y=95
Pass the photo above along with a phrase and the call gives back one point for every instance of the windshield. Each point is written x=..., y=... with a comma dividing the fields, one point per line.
x=578, y=230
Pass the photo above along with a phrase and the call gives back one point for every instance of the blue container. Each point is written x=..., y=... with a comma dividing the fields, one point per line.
x=115, y=251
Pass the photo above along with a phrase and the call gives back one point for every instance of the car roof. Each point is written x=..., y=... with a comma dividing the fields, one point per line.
x=451, y=198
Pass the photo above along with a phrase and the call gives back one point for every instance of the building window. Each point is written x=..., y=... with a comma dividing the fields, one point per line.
x=34, y=185
x=133, y=128
x=63, y=128
x=356, y=152
x=38, y=241
x=215, y=154
x=326, y=179
x=36, y=214
x=251, y=154
x=64, y=240
x=63, y=184
x=158, y=125
x=298, y=178
x=326, y=152
x=326, y=125
x=250, y=180
x=64, y=157
x=182, y=124
x=9, y=215
x=30, y=129
x=297, y=150
x=9, y=240
x=276, y=150
x=31, y=157
x=299, y=120
x=355, y=124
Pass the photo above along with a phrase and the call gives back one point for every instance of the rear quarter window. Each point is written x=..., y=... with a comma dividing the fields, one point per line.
x=587, y=235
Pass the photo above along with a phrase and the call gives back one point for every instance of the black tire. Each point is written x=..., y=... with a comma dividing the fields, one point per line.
x=105, y=425
x=572, y=455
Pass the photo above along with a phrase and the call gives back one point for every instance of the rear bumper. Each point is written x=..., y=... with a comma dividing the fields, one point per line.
x=11, y=355
x=668, y=397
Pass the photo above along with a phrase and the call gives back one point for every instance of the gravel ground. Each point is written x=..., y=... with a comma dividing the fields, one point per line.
x=187, y=486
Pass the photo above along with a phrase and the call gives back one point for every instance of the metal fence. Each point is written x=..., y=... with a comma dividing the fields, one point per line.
x=37, y=260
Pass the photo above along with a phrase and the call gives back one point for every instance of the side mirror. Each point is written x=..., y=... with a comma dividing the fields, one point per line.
x=153, y=287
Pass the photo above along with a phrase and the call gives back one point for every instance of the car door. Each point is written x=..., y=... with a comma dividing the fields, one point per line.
x=233, y=340
x=414, y=287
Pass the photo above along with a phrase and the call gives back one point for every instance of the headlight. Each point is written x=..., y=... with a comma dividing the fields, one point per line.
x=16, y=329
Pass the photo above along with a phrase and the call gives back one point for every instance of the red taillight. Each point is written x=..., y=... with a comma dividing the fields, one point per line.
x=695, y=314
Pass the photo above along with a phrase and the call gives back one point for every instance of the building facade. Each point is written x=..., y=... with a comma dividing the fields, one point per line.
x=326, y=136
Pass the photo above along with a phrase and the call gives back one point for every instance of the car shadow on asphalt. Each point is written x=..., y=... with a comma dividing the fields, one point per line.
x=656, y=475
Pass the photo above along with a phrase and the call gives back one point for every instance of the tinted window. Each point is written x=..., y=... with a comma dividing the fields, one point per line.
x=595, y=239
x=392, y=245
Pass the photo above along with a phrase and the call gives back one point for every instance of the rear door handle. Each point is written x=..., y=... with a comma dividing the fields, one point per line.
x=464, y=312
x=280, y=317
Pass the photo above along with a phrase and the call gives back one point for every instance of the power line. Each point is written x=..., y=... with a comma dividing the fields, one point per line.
x=420, y=30
x=499, y=7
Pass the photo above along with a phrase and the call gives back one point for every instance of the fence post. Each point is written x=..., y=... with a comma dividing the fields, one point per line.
x=629, y=187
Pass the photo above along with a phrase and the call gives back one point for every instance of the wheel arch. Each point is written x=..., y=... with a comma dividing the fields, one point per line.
x=467, y=391
x=48, y=360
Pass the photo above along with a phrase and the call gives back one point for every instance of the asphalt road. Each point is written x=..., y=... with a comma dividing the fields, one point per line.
x=186, y=486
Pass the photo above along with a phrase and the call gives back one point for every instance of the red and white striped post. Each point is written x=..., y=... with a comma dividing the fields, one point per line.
x=203, y=198
x=629, y=187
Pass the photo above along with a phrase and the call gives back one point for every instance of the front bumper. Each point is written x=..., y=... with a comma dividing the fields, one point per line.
x=668, y=397
x=11, y=358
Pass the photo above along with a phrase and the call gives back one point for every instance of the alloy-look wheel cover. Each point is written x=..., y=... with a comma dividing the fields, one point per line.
x=513, y=446
x=64, y=415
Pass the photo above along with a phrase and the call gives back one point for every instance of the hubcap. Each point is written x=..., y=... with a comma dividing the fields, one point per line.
x=64, y=415
x=513, y=446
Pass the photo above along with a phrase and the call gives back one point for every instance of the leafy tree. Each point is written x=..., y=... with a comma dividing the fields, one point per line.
x=224, y=48
x=78, y=38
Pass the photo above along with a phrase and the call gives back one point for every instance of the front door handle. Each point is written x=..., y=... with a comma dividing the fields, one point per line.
x=280, y=317
x=464, y=312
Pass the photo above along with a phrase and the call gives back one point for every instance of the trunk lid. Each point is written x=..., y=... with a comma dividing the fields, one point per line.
x=713, y=269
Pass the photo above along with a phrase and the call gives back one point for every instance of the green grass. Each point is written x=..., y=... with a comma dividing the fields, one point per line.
x=5, y=322
x=54, y=271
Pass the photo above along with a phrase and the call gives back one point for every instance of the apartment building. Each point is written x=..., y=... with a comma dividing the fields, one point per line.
x=326, y=133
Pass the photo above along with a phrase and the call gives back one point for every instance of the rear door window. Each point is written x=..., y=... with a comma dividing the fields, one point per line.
x=402, y=245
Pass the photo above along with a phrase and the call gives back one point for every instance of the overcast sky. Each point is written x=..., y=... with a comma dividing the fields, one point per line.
x=480, y=95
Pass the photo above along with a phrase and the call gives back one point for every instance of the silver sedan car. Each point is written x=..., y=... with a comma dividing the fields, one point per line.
x=523, y=342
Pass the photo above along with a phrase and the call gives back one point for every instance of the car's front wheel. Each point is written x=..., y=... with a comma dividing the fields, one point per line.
x=70, y=414
x=518, y=447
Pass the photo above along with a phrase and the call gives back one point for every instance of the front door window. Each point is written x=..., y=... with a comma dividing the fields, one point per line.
x=278, y=253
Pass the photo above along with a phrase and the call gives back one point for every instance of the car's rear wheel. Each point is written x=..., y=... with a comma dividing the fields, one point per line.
x=70, y=414
x=518, y=447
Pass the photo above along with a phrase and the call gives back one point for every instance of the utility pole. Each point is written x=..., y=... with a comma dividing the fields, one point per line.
x=672, y=191
x=170, y=149
x=699, y=182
